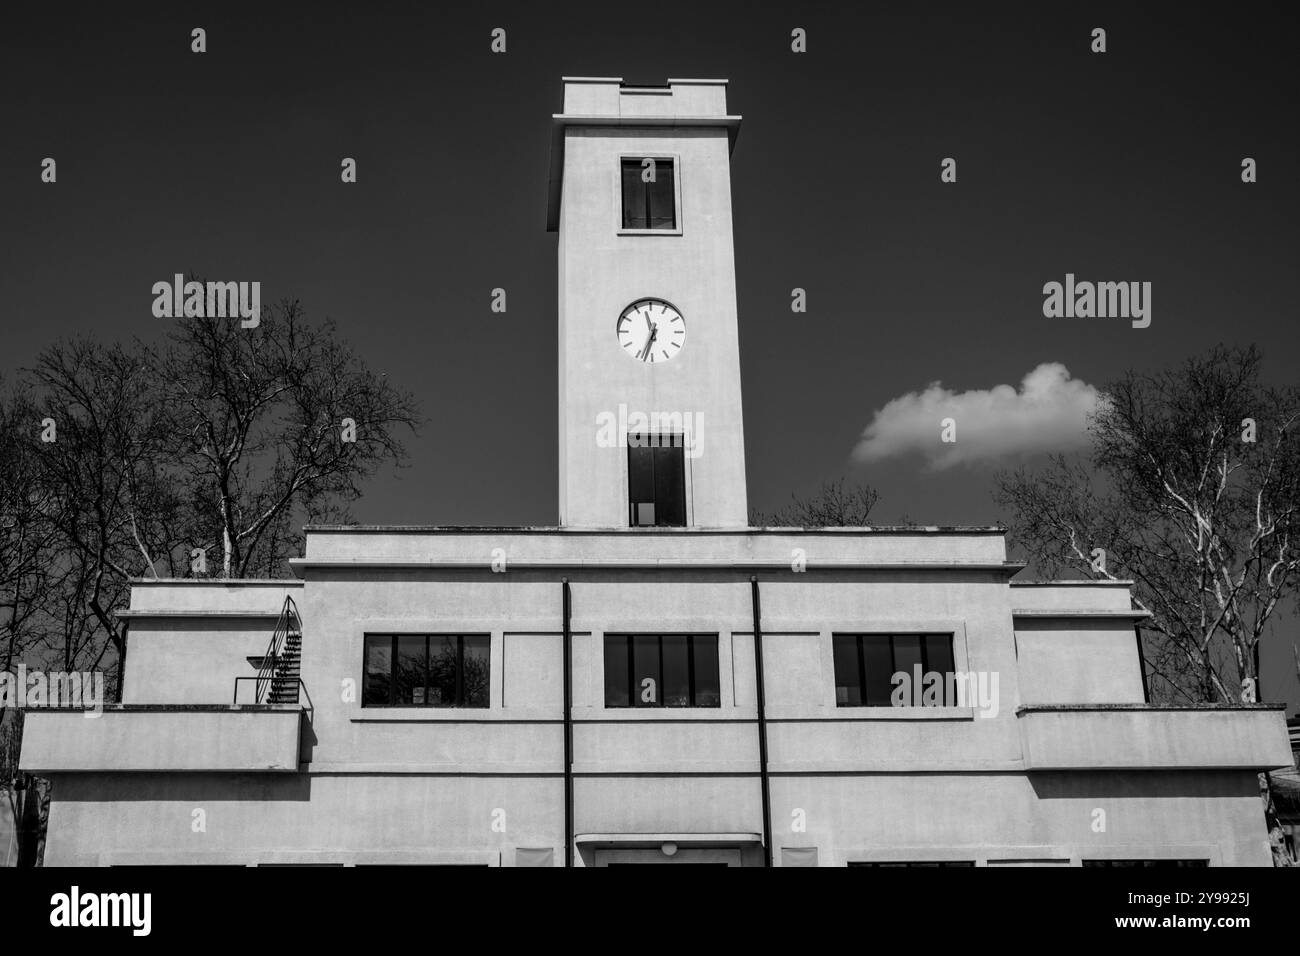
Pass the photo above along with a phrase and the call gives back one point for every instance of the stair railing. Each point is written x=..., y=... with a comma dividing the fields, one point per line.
x=287, y=621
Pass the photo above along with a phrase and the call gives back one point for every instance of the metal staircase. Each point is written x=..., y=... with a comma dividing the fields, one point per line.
x=278, y=678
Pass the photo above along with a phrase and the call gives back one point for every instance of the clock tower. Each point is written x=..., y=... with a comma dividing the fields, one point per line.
x=651, y=431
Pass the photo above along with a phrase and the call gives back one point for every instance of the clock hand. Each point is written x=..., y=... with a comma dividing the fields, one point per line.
x=650, y=341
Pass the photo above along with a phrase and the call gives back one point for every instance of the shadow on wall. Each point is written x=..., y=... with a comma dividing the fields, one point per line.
x=185, y=788
x=1055, y=785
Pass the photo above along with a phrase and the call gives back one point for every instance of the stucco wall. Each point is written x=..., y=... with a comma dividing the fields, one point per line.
x=151, y=818
x=1078, y=661
x=522, y=613
x=601, y=274
x=419, y=818
x=425, y=785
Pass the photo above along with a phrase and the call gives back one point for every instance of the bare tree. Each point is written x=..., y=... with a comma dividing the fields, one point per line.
x=1192, y=490
x=119, y=462
x=26, y=533
x=833, y=506
x=104, y=469
x=269, y=420
x=29, y=578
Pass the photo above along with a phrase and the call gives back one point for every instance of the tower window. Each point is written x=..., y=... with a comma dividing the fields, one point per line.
x=656, y=481
x=649, y=193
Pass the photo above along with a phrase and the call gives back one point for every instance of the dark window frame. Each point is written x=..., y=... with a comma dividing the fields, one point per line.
x=912, y=864
x=460, y=702
x=1147, y=863
x=692, y=691
x=893, y=660
x=639, y=441
x=634, y=162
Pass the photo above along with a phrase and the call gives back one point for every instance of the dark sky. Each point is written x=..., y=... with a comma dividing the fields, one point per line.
x=1122, y=166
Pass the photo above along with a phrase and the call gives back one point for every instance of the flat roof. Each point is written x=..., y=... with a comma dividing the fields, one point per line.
x=1009, y=568
x=227, y=582
x=555, y=529
x=1073, y=582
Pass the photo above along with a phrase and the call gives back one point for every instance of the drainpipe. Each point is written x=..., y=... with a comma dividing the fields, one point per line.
x=762, y=722
x=568, y=726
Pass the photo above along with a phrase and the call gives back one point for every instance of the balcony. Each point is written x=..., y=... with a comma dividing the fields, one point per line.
x=1147, y=737
x=163, y=737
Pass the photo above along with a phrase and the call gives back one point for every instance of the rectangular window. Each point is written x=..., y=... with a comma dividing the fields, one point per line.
x=913, y=864
x=865, y=665
x=668, y=670
x=426, y=670
x=656, y=481
x=649, y=193
x=1145, y=864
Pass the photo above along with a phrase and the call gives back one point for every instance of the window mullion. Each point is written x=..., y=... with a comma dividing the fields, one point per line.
x=659, y=687
x=654, y=483
x=893, y=659
x=460, y=670
x=629, y=650
x=862, y=669
x=428, y=670
x=690, y=669
x=392, y=671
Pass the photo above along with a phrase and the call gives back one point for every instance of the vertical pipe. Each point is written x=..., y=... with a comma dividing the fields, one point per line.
x=568, y=726
x=762, y=721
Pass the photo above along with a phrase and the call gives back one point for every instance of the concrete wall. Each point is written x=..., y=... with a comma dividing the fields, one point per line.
x=1117, y=737
x=193, y=660
x=188, y=640
x=522, y=612
x=603, y=269
x=1078, y=661
x=151, y=818
x=1076, y=643
x=427, y=785
x=606, y=96
x=266, y=818
x=177, y=739
x=983, y=817
x=891, y=549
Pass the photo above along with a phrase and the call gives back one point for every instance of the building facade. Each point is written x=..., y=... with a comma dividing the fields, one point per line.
x=652, y=681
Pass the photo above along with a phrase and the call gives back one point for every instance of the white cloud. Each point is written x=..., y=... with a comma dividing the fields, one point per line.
x=1048, y=413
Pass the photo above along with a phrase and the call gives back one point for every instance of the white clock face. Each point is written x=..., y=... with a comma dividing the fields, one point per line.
x=651, y=331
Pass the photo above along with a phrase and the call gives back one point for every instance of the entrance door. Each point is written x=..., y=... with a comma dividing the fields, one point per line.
x=699, y=856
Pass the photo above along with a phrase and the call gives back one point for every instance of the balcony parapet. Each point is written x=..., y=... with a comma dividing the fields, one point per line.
x=1151, y=737
x=156, y=738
